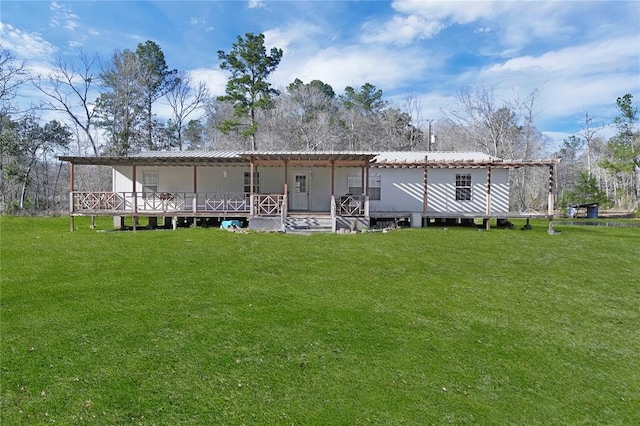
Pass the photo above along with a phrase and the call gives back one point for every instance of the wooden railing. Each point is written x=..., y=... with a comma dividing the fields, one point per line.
x=97, y=201
x=164, y=201
x=352, y=205
x=268, y=204
x=85, y=202
x=88, y=202
x=178, y=202
x=226, y=202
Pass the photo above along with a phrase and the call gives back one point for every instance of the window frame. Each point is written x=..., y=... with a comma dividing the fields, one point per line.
x=375, y=186
x=150, y=182
x=354, y=185
x=463, y=187
x=246, y=184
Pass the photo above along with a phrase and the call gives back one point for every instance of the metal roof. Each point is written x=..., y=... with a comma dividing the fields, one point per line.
x=188, y=154
x=391, y=159
x=398, y=157
x=177, y=158
x=444, y=159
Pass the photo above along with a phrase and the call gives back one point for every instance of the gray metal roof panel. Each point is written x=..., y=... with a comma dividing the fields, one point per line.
x=419, y=156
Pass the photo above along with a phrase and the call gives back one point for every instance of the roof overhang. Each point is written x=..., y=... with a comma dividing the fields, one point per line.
x=274, y=158
x=151, y=161
x=466, y=164
x=309, y=159
x=297, y=158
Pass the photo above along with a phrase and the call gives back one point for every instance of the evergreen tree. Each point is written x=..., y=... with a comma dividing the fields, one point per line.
x=248, y=89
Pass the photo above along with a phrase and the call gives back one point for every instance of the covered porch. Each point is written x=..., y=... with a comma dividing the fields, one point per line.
x=275, y=185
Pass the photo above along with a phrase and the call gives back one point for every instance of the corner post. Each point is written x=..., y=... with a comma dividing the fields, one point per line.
x=134, y=217
x=551, y=185
x=425, y=202
x=488, y=208
x=251, y=177
x=71, y=189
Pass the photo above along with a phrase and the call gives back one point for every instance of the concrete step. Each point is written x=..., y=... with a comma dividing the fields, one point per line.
x=308, y=224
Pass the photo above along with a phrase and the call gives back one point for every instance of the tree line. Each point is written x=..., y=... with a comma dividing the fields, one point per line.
x=110, y=107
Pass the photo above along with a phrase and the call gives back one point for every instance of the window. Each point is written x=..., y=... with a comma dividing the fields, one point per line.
x=301, y=184
x=247, y=182
x=354, y=184
x=463, y=187
x=150, y=183
x=375, y=183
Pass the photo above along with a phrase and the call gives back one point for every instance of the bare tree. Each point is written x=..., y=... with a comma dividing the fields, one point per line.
x=489, y=127
x=12, y=76
x=184, y=99
x=413, y=107
x=589, y=133
x=70, y=91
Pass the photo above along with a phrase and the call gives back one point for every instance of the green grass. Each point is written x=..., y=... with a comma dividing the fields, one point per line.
x=418, y=326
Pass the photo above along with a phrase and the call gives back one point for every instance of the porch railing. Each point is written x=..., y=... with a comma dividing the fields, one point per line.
x=226, y=202
x=96, y=201
x=88, y=202
x=353, y=205
x=269, y=204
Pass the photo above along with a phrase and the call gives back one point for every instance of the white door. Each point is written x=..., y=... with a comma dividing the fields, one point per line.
x=300, y=199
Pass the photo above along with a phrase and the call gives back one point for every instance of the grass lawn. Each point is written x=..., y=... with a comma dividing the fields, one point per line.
x=417, y=326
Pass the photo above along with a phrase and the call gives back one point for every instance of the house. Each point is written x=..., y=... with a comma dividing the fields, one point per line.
x=289, y=190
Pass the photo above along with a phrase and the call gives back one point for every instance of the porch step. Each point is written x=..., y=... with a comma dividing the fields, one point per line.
x=308, y=224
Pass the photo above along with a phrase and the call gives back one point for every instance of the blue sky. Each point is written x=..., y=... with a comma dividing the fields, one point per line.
x=580, y=55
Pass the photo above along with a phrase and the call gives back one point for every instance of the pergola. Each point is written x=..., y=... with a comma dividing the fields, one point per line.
x=488, y=164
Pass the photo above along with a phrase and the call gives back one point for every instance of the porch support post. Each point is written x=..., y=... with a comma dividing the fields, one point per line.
x=195, y=179
x=71, y=189
x=363, y=183
x=425, y=173
x=551, y=185
x=286, y=181
x=195, y=189
x=333, y=177
x=134, y=216
x=366, y=180
x=489, y=189
x=251, y=177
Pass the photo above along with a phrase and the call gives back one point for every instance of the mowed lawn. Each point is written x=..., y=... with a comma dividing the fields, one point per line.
x=417, y=326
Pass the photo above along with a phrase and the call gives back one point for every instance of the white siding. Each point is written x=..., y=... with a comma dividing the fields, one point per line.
x=402, y=191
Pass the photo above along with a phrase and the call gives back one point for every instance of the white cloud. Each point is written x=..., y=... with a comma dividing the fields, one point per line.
x=310, y=53
x=401, y=30
x=517, y=23
x=423, y=20
x=216, y=80
x=461, y=12
x=298, y=36
x=63, y=15
x=351, y=66
x=254, y=4
x=596, y=57
x=572, y=79
x=27, y=46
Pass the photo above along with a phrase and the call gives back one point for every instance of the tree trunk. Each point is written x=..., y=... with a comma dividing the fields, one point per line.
x=23, y=192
